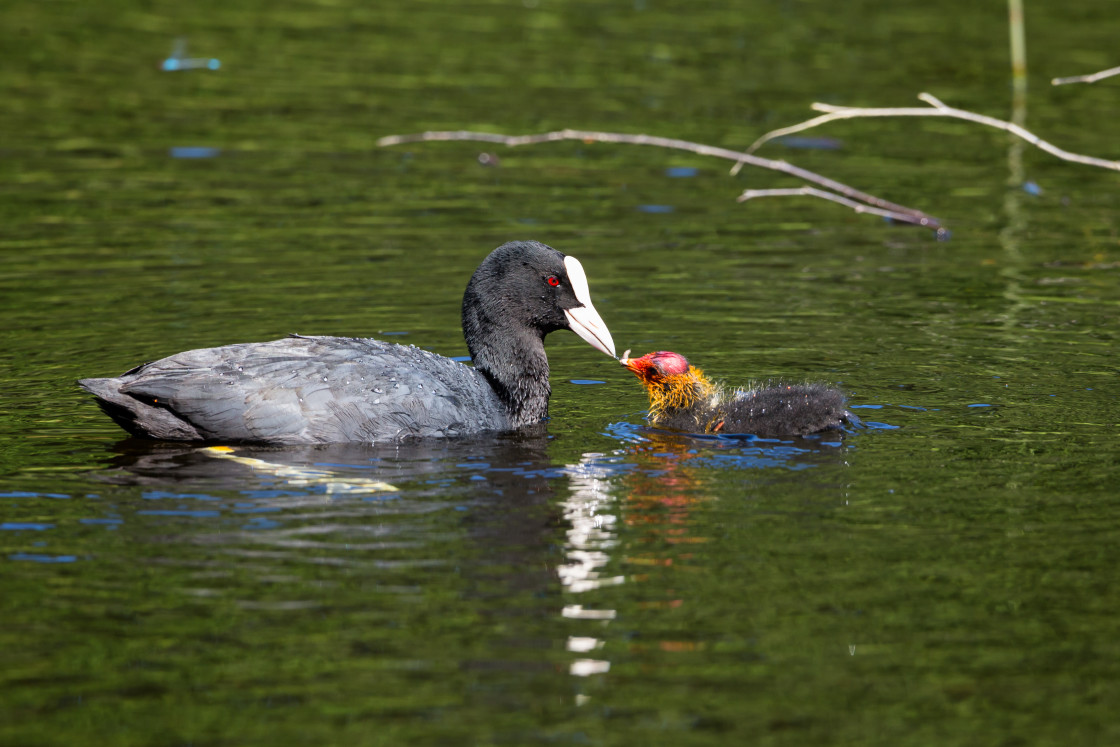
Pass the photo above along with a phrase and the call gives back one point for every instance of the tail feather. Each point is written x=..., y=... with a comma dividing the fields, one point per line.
x=139, y=418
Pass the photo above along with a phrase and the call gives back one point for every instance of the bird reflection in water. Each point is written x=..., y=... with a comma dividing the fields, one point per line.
x=635, y=510
x=303, y=477
x=591, y=535
x=619, y=518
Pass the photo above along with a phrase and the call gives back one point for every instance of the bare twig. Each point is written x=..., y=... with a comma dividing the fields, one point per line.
x=854, y=196
x=939, y=109
x=1091, y=78
x=859, y=207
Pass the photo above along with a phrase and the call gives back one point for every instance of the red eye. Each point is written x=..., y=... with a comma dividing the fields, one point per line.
x=553, y=281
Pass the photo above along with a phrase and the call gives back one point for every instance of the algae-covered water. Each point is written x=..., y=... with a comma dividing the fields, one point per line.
x=945, y=575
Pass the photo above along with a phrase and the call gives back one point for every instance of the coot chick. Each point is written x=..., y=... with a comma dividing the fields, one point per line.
x=682, y=398
x=340, y=389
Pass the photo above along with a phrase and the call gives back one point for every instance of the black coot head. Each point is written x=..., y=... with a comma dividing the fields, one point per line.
x=526, y=287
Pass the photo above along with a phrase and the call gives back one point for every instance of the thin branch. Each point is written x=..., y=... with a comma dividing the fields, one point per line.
x=939, y=110
x=1091, y=78
x=859, y=207
x=899, y=212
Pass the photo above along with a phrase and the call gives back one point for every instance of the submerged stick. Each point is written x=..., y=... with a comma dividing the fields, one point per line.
x=939, y=109
x=882, y=207
x=1090, y=78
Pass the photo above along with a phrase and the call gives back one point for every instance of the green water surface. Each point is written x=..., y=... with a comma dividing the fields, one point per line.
x=946, y=575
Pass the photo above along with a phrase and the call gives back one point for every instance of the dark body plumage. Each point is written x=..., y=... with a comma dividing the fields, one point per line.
x=300, y=390
x=682, y=398
x=340, y=389
x=781, y=410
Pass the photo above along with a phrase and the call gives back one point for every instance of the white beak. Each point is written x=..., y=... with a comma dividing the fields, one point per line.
x=584, y=320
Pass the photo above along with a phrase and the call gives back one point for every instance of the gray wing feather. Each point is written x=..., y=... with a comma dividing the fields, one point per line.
x=304, y=390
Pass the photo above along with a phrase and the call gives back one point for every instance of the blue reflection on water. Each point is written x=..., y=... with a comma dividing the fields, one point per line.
x=877, y=426
x=178, y=60
x=730, y=450
x=180, y=512
x=754, y=458
x=269, y=494
x=681, y=172
x=810, y=143
x=22, y=494
x=193, y=152
x=154, y=495
x=38, y=558
x=174, y=64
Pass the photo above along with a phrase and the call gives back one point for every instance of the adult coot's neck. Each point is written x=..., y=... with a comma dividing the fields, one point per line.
x=513, y=360
x=519, y=294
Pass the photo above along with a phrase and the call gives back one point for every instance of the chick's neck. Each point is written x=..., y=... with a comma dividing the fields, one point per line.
x=678, y=392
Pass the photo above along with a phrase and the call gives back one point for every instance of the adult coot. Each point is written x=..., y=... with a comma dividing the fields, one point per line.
x=340, y=389
x=682, y=398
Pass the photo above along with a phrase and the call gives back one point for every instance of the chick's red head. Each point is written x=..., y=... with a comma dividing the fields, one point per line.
x=656, y=368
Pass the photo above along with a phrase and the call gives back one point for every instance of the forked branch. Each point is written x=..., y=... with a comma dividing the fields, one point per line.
x=1091, y=78
x=939, y=109
x=859, y=207
x=850, y=196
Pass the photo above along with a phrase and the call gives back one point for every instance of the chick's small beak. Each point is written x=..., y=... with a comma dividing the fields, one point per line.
x=637, y=366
